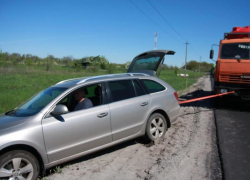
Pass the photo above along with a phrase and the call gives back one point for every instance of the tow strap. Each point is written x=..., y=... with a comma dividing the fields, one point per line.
x=206, y=97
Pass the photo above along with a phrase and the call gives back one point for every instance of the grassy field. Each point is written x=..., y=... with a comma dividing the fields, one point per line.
x=18, y=83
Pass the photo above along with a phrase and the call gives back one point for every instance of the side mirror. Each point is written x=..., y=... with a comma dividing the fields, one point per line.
x=211, y=54
x=59, y=110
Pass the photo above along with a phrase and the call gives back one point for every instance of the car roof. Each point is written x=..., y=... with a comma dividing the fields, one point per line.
x=82, y=80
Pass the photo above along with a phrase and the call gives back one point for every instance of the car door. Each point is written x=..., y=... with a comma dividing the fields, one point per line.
x=148, y=62
x=129, y=106
x=77, y=131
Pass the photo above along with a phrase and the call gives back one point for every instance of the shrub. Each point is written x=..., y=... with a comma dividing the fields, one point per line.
x=92, y=69
x=103, y=65
x=78, y=67
x=111, y=68
x=48, y=64
x=176, y=71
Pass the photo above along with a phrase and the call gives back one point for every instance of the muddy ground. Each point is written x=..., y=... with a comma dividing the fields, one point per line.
x=188, y=151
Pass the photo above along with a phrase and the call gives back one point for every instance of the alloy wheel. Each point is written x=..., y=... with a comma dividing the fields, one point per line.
x=17, y=169
x=157, y=127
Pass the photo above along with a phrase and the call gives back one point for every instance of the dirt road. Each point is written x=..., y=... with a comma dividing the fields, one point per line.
x=189, y=150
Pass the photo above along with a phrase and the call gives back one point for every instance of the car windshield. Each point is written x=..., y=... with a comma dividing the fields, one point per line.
x=36, y=103
x=229, y=51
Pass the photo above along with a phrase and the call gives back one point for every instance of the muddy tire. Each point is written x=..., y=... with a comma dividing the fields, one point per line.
x=156, y=127
x=19, y=164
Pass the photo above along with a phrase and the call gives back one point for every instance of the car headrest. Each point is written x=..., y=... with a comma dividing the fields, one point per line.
x=97, y=91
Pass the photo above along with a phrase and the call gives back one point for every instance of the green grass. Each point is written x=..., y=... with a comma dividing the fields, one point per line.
x=18, y=83
x=177, y=82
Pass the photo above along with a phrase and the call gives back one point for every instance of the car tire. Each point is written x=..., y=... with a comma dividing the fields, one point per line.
x=156, y=127
x=19, y=163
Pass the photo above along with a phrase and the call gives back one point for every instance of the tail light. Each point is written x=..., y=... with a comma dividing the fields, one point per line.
x=176, y=96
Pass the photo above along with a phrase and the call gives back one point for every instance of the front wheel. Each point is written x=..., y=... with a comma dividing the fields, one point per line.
x=156, y=127
x=19, y=164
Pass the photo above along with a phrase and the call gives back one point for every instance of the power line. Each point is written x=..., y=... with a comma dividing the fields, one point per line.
x=166, y=20
x=170, y=25
x=152, y=20
x=161, y=27
x=194, y=50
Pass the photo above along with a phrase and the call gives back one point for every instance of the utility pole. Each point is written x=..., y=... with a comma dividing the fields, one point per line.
x=186, y=56
x=199, y=67
x=186, y=65
x=155, y=41
x=0, y=55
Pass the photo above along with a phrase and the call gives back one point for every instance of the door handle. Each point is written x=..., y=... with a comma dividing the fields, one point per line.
x=102, y=115
x=144, y=103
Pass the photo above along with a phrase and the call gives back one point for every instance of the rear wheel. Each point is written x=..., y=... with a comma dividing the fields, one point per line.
x=19, y=165
x=156, y=127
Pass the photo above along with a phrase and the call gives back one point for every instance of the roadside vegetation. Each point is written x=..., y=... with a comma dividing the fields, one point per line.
x=19, y=81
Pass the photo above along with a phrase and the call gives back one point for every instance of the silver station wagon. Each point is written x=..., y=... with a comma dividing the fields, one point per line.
x=80, y=116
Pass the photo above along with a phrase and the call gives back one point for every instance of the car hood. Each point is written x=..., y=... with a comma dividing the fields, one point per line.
x=11, y=121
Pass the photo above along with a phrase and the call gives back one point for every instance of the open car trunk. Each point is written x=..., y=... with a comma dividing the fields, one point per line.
x=148, y=62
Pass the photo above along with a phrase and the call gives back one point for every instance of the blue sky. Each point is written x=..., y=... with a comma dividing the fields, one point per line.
x=116, y=29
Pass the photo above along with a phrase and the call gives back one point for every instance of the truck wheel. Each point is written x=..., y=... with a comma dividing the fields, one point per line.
x=156, y=127
x=19, y=164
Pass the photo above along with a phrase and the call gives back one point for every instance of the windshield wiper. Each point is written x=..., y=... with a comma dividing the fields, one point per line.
x=11, y=113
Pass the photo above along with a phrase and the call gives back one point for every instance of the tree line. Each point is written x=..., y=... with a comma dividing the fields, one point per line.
x=29, y=59
x=69, y=61
x=93, y=61
x=196, y=66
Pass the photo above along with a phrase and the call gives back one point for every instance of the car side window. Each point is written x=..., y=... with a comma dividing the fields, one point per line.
x=138, y=89
x=93, y=94
x=153, y=86
x=121, y=90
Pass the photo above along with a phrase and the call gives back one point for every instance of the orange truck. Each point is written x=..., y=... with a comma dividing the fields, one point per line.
x=232, y=71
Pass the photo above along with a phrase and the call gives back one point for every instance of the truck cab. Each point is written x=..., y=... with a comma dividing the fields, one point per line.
x=232, y=72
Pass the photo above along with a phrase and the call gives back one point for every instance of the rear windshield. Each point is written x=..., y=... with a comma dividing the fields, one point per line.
x=229, y=51
x=147, y=62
